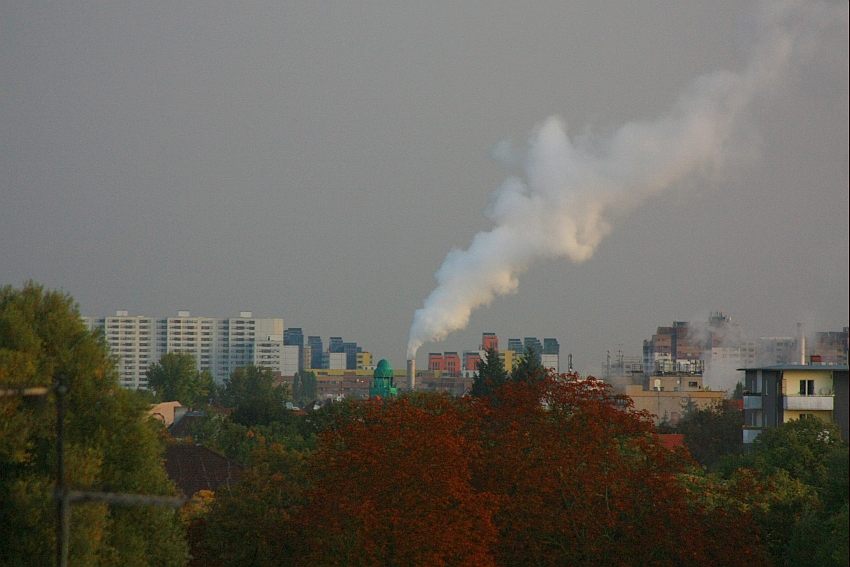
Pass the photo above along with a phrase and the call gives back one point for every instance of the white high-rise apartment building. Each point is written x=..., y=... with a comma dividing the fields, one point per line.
x=131, y=339
x=219, y=346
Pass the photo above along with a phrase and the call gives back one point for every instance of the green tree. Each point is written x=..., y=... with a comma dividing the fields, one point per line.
x=738, y=392
x=251, y=525
x=490, y=376
x=528, y=368
x=803, y=519
x=176, y=377
x=305, y=387
x=802, y=447
x=255, y=397
x=111, y=444
x=712, y=432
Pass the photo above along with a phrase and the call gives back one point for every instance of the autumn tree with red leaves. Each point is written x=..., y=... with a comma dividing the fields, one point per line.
x=550, y=472
x=392, y=487
x=583, y=480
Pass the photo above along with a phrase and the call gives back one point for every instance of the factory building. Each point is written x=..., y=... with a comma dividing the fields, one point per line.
x=450, y=364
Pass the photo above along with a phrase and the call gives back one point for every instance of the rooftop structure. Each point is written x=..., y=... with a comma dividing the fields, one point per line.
x=383, y=381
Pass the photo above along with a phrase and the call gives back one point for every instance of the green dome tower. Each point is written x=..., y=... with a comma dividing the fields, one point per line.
x=382, y=381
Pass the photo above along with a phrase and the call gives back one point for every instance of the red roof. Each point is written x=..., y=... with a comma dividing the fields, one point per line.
x=672, y=441
x=193, y=468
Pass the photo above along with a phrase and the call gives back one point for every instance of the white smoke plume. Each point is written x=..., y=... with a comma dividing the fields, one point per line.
x=572, y=193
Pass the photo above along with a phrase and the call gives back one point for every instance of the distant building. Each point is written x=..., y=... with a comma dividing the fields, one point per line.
x=535, y=345
x=452, y=363
x=341, y=383
x=717, y=346
x=668, y=397
x=551, y=357
x=335, y=361
x=219, y=346
x=776, y=394
x=489, y=340
x=316, y=349
x=436, y=362
x=294, y=336
x=383, y=381
x=471, y=360
x=364, y=359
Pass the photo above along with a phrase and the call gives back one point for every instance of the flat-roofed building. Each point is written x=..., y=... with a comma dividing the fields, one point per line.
x=776, y=394
x=132, y=340
x=218, y=345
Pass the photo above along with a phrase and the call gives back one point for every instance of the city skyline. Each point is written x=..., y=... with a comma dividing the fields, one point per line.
x=318, y=163
x=702, y=337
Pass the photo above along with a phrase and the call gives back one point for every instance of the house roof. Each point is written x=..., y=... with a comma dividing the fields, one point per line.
x=672, y=441
x=164, y=411
x=183, y=428
x=194, y=467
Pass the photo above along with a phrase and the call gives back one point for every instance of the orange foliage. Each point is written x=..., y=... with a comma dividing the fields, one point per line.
x=584, y=480
x=393, y=488
x=556, y=472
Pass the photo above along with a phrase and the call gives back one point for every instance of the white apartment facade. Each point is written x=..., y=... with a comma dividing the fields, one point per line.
x=219, y=346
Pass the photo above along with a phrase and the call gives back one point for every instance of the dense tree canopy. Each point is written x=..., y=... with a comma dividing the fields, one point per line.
x=583, y=480
x=176, y=377
x=712, y=432
x=491, y=374
x=551, y=472
x=255, y=398
x=528, y=368
x=110, y=444
x=305, y=387
x=393, y=487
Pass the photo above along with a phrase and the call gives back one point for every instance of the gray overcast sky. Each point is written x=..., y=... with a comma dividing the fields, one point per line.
x=316, y=162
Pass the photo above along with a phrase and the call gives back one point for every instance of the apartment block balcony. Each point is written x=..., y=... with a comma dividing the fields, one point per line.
x=811, y=403
x=750, y=433
x=752, y=401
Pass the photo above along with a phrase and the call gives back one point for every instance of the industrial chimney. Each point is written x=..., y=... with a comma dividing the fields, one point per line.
x=411, y=374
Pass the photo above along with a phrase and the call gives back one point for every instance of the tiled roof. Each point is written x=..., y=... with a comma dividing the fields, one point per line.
x=182, y=428
x=672, y=441
x=193, y=468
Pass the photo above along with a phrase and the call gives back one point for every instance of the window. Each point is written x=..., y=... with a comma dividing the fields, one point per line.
x=692, y=385
x=807, y=387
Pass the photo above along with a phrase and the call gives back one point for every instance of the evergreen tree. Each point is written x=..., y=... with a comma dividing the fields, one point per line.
x=304, y=387
x=491, y=374
x=296, y=388
x=528, y=368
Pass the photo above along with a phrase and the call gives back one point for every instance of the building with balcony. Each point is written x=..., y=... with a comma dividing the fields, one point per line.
x=774, y=395
x=219, y=346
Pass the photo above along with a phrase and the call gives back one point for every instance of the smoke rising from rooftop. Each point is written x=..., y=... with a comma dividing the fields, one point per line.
x=572, y=192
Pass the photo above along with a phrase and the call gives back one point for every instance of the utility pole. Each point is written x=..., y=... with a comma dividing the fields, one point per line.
x=61, y=494
x=63, y=509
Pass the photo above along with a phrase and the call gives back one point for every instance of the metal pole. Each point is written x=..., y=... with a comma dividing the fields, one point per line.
x=63, y=515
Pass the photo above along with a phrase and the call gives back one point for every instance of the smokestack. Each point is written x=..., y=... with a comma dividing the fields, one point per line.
x=801, y=344
x=411, y=374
